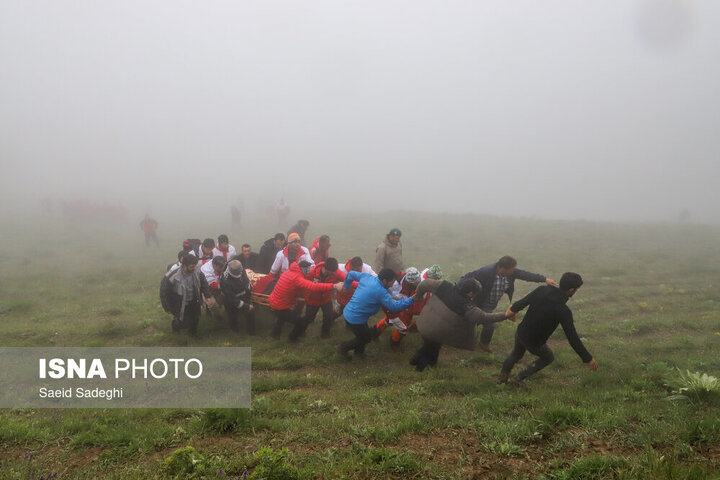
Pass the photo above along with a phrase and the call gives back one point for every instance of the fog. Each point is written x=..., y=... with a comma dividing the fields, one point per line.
x=561, y=110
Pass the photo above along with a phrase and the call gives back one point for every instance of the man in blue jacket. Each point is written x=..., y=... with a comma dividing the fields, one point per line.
x=497, y=279
x=370, y=295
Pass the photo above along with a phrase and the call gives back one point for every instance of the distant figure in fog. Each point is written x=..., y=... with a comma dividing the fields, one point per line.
x=149, y=226
x=282, y=210
x=235, y=217
x=46, y=206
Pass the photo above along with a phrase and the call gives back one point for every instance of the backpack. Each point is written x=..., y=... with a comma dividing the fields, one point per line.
x=192, y=244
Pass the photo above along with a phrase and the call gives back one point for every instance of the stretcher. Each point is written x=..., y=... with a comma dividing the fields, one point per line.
x=257, y=297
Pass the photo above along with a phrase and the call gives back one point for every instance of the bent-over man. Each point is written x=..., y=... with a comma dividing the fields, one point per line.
x=547, y=310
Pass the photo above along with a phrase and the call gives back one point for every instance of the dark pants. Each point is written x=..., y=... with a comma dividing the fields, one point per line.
x=153, y=237
x=289, y=316
x=486, y=333
x=234, y=318
x=363, y=336
x=426, y=355
x=543, y=352
x=328, y=316
x=190, y=318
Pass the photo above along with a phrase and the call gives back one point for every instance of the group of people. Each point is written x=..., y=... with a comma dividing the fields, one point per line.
x=300, y=281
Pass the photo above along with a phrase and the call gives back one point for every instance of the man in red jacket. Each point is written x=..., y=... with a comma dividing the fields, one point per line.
x=289, y=287
x=148, y=226
x=323, y=272
x=320, y=249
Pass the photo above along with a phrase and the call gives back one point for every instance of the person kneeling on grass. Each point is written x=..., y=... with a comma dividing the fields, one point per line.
x=371, y=294
x=547, y=309
x=450, y=317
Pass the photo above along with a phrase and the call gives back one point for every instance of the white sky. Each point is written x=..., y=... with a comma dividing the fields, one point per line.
x=557, y=109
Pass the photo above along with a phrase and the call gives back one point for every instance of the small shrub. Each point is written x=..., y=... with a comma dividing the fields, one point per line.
x=696, y=387
x=504, y=448
x=386, y=460
x=703, y=432
x=225, y=420
x=594, y=467
x=111, y=329
x=14, y=307
x=277, y=382
x=562, y=417
x=28, y=468
x=393, y=462
x=280, y=362
x=375, y=379
x=274, y=465
x=188, y=463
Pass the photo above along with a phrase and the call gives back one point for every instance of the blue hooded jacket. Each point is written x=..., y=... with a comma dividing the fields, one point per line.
x=369, y=296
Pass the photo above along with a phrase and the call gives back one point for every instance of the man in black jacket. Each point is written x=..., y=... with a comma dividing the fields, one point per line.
x=237, y=291
x=300, y=228
x=268, y=251
x=248, y=258
x=547, y=310
x=498, y=279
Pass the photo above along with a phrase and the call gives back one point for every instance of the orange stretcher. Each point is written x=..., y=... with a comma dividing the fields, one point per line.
x=257, y=297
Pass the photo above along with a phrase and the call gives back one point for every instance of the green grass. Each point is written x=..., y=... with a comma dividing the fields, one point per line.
x=649, y=308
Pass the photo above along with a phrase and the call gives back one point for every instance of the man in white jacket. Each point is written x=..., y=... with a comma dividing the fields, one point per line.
x=224, y=249
x=293, y=252
x=213, y=271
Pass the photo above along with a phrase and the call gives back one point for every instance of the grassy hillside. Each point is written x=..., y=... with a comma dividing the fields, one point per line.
x=648, y=312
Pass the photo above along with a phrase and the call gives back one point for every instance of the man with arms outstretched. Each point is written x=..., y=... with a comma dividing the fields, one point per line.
x=547, y=310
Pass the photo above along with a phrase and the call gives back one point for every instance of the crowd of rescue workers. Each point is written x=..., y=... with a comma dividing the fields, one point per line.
x=296, y=282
